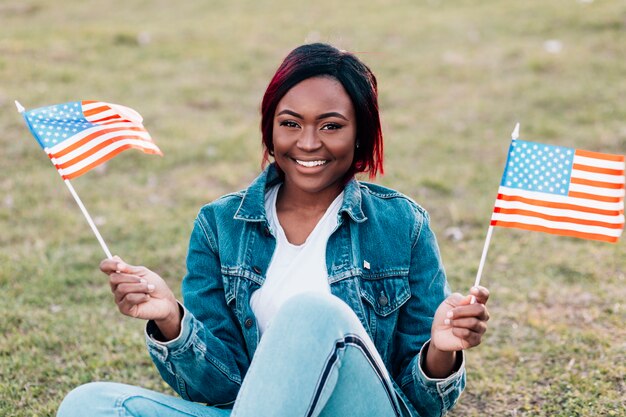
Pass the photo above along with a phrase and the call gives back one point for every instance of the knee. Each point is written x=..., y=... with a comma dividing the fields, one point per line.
x=322, y=311
x=95, y=398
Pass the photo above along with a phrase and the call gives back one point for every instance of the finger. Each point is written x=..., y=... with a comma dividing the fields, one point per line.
x=468, y=299
x=454, y=300
x=472, y=324
x=129, y=288
x=127, y=303
x=125, y=268
x=109, y=266
x=136, y=298
x=468, y=337
x=125, y=289
x=481, y=294
x=476, y=310
x=116, y=279
x=117, y=264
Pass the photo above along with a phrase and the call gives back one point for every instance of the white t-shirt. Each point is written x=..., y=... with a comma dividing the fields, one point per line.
x=294, y=269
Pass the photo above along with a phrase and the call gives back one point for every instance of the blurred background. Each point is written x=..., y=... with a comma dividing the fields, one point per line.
x=454, y=78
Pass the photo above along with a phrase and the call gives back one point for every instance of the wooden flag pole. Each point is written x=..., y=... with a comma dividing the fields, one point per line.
x=70, y=187
x=105, y=248
x=483, y=257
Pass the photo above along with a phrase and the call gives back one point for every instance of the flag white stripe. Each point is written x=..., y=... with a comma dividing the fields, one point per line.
x=562, y=199
x=81, y=135
x=535, y=221
x=105, y=151
x=593, y=176
x=97, y=141
x=616, y=219
x=605, y=192
x=600, y=163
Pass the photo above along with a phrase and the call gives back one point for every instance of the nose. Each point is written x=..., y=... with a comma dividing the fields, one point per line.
x=308, y=140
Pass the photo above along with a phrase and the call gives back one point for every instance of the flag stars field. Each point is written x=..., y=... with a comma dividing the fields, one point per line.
x=538, y=167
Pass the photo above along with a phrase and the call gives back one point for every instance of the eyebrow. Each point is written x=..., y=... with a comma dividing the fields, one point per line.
x=320, y=117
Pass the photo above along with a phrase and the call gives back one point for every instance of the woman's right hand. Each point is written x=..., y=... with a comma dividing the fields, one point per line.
x=141, y=293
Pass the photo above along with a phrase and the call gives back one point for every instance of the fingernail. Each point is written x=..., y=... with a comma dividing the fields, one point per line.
x=449, y=314
x=150, y=287
x=446, y=322
x=143, y=281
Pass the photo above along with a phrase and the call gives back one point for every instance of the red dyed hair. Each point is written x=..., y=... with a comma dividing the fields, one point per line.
x=318, y=59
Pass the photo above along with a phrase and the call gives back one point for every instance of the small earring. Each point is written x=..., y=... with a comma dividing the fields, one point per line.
x=357, y=145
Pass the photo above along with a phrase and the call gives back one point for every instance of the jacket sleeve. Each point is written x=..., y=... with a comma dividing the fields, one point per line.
x=207, y=361
x=428, y=284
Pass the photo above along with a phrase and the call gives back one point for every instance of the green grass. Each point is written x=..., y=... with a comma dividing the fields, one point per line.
x=454, y=78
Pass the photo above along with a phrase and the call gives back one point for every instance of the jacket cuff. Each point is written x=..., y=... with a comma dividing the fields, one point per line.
x=448, y=388
x=154, y=336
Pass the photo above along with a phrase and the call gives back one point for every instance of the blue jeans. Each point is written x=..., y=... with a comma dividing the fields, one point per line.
x=315, y=359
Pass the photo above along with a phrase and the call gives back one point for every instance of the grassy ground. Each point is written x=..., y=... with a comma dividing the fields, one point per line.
x=454, y=78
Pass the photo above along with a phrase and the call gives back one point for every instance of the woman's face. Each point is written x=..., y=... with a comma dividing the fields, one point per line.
x=314, y=134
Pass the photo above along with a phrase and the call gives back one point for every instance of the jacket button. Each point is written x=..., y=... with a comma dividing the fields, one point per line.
x=266, y=231
x=248, y=323
x=383, y=300
x=256, y=269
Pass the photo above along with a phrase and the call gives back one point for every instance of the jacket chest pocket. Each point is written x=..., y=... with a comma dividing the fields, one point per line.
x=237, y=289
x=383, y=296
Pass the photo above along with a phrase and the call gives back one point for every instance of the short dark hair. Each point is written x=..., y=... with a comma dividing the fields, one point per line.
x=319, y=59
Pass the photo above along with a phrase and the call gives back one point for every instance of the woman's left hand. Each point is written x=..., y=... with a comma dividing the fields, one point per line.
x=460, y=324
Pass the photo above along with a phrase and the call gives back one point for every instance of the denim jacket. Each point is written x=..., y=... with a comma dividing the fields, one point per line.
x=382, y=260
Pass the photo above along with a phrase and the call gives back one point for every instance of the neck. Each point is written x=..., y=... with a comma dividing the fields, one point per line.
x=292, y=198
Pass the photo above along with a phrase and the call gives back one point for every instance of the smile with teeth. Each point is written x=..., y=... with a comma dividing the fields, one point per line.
x=310, y=164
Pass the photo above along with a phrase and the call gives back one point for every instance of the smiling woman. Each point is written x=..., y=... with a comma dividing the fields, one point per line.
x=310, y=293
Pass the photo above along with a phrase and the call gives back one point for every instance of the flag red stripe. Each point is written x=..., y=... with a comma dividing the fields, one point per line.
x=96, y=148
x=597, y=155
x=96, y=110
x=598, y=170
x=561, y=219
x=564, y=206
x=93, y=136
x=592, y=183
x=106, y=158
x=562, y=232
x=606, y=199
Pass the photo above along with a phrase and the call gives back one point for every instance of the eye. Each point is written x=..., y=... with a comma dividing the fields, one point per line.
x=289, y=123
x=332, y=126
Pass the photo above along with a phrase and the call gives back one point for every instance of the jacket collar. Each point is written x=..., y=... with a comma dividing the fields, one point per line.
x=252, y=207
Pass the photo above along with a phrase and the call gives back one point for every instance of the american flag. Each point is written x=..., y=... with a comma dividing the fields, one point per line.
x=560, y=190
x=79, y=136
